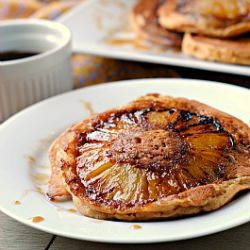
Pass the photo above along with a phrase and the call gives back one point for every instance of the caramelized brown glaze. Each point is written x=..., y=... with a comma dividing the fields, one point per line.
x=155, y=157
x=161, y=152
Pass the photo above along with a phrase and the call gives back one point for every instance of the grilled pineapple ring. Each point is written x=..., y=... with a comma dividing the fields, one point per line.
x=149, y=161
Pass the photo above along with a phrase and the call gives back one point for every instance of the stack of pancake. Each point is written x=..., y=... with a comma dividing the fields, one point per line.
x=215, y=30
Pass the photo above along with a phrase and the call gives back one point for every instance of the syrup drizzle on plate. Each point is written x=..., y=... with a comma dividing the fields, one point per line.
x=37, y=219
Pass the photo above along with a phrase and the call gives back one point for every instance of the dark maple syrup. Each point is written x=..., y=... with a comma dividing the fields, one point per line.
x=14, y=55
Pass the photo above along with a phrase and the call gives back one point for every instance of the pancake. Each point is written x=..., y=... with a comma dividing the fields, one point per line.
x=235, y=51
x=217, y=18
x=144, y=20
x=156, y=157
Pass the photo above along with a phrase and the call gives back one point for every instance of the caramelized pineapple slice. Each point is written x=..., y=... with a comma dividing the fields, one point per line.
x=229, y=9
x=138, y=157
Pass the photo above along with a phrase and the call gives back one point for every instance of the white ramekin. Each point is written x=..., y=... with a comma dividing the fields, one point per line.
x=31, y=79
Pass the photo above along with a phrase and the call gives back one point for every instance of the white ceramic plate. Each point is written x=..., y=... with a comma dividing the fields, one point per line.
x=96, y=23
x=24, y=163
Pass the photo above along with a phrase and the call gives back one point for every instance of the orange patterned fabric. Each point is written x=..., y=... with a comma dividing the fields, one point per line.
x=87, y=70
x=34, y=8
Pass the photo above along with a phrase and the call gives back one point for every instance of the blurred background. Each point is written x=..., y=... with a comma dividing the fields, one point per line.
x=89, y=70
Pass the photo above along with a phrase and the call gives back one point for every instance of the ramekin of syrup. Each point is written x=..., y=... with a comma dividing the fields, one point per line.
x=35, y=63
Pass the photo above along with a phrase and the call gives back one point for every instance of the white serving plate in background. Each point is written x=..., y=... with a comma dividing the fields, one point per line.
x=95, y=22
